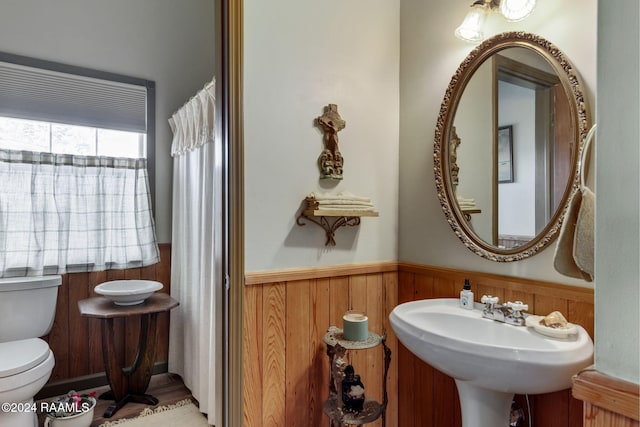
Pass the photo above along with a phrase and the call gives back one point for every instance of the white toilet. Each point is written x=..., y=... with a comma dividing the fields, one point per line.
x=27, y=310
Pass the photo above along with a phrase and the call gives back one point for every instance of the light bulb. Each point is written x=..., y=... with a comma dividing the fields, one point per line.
x=515, y=10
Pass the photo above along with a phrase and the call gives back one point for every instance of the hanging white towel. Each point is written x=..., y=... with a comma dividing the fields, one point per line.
x=574, y=253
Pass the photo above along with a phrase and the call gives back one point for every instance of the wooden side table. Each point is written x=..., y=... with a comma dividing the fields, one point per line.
x=128, y=384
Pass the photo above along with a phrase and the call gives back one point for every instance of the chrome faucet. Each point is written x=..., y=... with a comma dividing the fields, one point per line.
x=516, y=317
x=491, y=307
x=510, y=313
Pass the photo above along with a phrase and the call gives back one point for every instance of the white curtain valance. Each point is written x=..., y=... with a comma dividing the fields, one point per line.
x=66, y=213
x=193, y=125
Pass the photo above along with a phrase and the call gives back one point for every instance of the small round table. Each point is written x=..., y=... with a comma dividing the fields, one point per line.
x=128, y=384
x=337, y=347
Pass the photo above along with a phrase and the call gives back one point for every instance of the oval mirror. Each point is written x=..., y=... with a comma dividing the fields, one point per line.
x=509, y=135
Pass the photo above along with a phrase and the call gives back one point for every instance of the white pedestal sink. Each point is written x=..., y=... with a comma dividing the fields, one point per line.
x=489, y=360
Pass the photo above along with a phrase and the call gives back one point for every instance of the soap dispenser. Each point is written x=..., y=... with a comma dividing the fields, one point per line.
x=466, y=296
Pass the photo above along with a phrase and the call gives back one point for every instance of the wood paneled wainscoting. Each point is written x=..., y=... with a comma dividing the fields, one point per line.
x=286, y=314
x=429, y=398
x=608, y=401
x=76, y=341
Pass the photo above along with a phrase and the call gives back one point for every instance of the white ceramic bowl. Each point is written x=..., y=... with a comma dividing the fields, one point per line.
x=128, y=292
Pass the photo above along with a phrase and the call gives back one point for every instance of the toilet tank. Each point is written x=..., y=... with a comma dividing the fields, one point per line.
x=27, y=306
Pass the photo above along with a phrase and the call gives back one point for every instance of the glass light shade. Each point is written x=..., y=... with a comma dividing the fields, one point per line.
x=515, y=10
x=471, y=28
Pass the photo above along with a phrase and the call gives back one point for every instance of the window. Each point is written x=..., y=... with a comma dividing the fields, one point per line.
x=33, y=90
x=74, y=183
x=47, y=137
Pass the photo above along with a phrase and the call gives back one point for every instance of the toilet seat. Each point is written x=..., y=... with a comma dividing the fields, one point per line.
x=20, y=356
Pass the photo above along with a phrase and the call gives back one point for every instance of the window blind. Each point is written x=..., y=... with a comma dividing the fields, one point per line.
x=43, y=93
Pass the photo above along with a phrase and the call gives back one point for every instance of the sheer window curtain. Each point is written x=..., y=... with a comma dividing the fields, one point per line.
x=195, y=340
x=62, y=213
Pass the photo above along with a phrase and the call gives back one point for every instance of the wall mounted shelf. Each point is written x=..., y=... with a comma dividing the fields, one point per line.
x=468, y=212
x=341, y=218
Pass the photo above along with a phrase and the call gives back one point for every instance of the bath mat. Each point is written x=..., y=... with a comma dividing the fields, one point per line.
x=183, y=413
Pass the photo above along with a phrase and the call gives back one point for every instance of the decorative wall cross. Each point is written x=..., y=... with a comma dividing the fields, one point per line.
x=330, y=160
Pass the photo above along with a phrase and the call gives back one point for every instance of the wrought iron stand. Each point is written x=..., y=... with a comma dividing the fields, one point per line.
x=337, y=347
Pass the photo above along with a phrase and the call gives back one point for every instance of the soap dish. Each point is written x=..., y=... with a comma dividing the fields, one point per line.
x=534, y=322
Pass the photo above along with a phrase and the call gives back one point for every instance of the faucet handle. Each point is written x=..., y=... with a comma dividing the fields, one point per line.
x=488, y=299
x=517, y=306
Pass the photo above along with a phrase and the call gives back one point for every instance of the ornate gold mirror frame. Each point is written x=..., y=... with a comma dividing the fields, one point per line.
x=444, y=131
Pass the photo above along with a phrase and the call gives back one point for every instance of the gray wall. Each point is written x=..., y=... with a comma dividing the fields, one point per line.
x=617, y=319
x=171, y=42
x=426, y=67
x=603, y=37
x=319, y=53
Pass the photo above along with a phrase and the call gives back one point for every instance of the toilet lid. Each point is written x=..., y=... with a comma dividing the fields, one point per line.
x=19, y=356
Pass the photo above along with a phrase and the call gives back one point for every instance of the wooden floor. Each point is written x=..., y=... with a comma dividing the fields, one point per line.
x=167, y=388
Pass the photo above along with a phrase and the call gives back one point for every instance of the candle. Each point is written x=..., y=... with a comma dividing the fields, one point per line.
x=356, y=326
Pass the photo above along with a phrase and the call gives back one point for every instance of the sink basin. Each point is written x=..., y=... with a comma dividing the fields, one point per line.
x=128, y=292
x=489, y=360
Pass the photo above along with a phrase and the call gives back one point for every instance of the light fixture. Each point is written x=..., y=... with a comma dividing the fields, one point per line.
x=471, y=28
x=516, y=10
x=512, y=10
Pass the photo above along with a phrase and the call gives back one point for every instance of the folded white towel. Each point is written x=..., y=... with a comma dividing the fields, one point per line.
x=343, y=195
x=467, y=206
x=324, y=202
x=464, y=200
x=347, y=208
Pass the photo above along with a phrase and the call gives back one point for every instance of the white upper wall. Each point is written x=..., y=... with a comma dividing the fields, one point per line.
x=299, y=57
x=430, y=55
x=517, y=200
x=170, y=42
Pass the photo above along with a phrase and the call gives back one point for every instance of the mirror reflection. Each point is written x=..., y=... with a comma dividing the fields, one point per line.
x=513, y=121
x=512, y=174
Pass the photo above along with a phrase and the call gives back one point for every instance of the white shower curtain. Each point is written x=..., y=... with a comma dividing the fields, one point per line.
x=195, y=341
